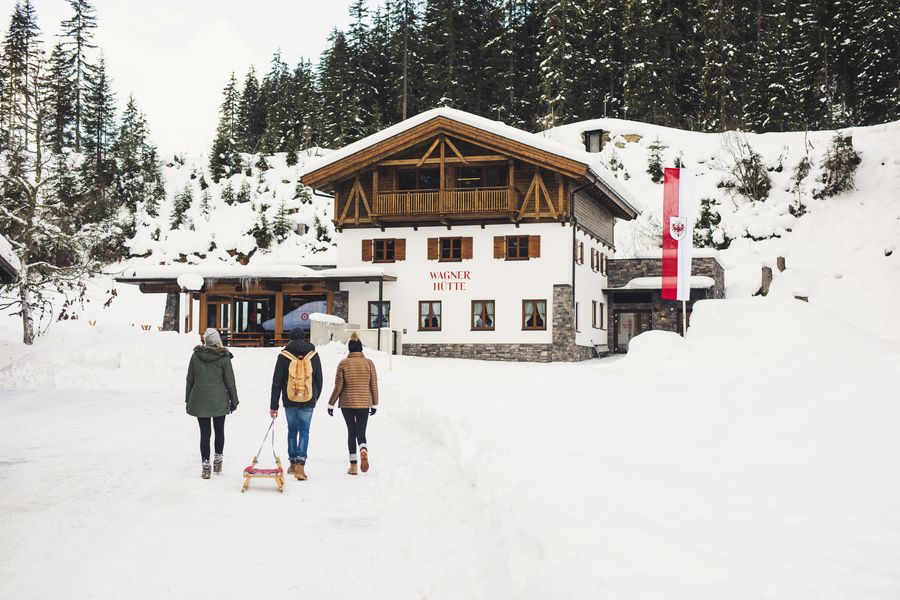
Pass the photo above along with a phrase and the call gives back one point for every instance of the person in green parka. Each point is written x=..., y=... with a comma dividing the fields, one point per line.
x=211, y=394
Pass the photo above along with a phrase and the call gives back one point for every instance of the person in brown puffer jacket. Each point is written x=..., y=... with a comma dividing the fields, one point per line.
x=356, y=386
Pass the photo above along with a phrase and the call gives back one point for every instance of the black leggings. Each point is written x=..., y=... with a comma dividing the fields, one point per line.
x=218, y=423
x=356, y=419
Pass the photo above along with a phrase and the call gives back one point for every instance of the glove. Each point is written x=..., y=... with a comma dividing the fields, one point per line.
x=372, y=411
x=330, y=410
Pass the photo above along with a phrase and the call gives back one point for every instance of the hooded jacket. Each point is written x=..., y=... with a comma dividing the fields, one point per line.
x=298, y=348
x=211, y=391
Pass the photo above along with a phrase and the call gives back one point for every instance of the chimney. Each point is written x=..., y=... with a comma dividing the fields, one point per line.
x=593, y=140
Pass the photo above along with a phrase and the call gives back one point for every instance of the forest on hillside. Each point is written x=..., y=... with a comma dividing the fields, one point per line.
x=705, y=65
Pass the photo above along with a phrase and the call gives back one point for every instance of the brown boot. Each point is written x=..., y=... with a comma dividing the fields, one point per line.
x=352, y=469
x=364, y=461
x=291, y=469
x=217, y=464
x=300, y=472
x=205, y=473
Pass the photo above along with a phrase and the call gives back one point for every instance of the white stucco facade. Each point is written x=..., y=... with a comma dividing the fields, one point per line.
x=483, y=277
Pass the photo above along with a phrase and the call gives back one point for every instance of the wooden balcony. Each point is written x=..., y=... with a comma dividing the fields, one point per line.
x=469, y=202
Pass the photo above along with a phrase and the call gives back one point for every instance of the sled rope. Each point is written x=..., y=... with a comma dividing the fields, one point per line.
x=269, y=430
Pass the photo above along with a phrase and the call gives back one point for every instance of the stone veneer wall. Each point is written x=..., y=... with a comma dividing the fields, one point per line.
x=340, y=305
x=173, y=313
x=563, y=348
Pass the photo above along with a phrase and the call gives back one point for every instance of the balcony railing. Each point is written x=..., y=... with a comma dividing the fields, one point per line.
x=474, y=201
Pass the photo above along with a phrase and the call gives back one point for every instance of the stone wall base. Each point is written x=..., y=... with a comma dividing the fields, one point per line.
x=505, y=352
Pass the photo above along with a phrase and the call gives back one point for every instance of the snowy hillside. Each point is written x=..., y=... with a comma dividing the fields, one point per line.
x=220, y=218
x=842, y=253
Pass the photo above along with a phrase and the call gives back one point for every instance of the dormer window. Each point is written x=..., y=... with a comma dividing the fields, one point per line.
x=593, y=140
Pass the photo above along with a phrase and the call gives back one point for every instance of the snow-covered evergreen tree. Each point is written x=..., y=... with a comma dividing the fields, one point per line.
x=183, y=201
x=77, y=39
x=224, y=160
x=251, y=115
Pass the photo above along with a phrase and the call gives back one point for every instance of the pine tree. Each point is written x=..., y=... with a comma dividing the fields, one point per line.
x=839, y=167
x=726, y=57
x=243, y=195
x=655, y=162
x=61, y=99
x=261, y=231
x=877, y=62
x=405, y=57
x=251, y=115
x=563, y=62
x=183, y=201
x=138, y=180
x=205, y=204
x=276, y=95
x=224, y=160
x=228, y=193
x=281, y=226
x=361, y=91
x=338, y=109
x=77, y=38
x=98, y=122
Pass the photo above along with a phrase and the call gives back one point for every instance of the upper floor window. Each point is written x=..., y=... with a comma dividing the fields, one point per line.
x=424, y=179
x=517, y=247
x=384, y=250
x=475, y=177
x=451, y=249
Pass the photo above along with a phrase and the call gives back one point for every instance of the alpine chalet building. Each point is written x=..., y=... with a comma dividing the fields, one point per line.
x=493, y=241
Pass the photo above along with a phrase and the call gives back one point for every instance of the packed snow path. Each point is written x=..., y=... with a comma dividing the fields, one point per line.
x=759, y=459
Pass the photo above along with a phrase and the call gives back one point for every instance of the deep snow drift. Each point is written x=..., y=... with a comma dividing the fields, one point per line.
x=758, y=458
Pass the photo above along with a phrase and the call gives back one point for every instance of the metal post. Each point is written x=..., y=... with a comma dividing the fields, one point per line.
x=380, y=308
x=684, y=318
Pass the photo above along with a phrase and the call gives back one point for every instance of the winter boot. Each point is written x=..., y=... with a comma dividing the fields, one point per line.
x=292, y=469
x=205, y=472
x=364, y=460
x=352, y=469
x=300, y=471
x=217, y=463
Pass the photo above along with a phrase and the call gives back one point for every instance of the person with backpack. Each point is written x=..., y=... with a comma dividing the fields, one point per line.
x=356, y=386
x=211, y=394
x=298, y=382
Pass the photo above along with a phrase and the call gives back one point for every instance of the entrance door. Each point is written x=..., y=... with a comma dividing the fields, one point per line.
x=628, y=325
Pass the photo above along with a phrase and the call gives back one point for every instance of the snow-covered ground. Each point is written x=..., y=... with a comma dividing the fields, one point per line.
x=758, y=458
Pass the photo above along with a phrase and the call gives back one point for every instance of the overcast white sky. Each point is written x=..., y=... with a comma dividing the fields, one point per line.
x=175, y=56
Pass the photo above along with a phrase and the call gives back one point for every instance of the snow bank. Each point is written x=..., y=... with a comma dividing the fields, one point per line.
x=190, y=281
x=325, y=318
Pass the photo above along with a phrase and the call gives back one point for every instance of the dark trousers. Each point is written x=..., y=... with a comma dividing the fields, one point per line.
x=206, y=424
x=356, y=419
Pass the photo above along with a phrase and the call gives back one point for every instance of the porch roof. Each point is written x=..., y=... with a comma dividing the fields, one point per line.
x=175, y=278
x=698, y=282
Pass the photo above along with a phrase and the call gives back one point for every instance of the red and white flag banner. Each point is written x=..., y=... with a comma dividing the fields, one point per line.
x=677, y=233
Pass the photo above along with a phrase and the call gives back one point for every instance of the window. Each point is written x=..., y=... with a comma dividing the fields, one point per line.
x=517, y=247
x=482, y=315
x=534, y=314
x=426, y=179
x=429, y=315
x=384, y=250
x=469, y=177
x=495, y=176
x=385, y=315
x=579, y=253
x=603, y=263
x=451, y=249
x=597, y=315
x=474, y=177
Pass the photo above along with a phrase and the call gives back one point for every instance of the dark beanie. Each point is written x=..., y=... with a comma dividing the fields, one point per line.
x=296, y=333
x=354, y=345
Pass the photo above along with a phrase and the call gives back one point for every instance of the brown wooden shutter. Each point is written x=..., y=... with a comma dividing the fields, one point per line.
x=367, y=250
x=534, y=246
x=467, y=247
x=499, y=246
x=434, y=248
x=603, y=263
x=400, y=249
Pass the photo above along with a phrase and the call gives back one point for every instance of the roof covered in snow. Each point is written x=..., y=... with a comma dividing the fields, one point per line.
x=9, y=262
x=187, y=277
x=592, y=168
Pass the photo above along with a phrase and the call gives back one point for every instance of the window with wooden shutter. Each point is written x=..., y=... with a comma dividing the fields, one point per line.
x=385, y=250
x=579, y=253
x=534, y=246
x=367, y=250
x=466, y=248
x=451, y=249
x=603, y=263
x=434, y=248
x=499, y=246
x=400, y=249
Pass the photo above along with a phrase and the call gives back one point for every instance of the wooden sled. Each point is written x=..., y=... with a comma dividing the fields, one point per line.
x=252, y=472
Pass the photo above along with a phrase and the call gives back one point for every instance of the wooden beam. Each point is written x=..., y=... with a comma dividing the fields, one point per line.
x=561, y=194
x=204, y=311
x=365, y=200
x=347, y=206
x=431, y=148
x=442, y=184
x=455, y=151
x=527, y=196
x=547, y=196
x=411, y=162
x=279, y=314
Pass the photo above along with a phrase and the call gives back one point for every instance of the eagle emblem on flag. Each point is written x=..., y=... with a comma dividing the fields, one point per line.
x=677, y=227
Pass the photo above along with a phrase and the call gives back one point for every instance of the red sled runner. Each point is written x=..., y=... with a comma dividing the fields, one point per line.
x=253, y=472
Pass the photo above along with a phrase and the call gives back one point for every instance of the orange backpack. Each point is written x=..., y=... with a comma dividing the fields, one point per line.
x=299, y=381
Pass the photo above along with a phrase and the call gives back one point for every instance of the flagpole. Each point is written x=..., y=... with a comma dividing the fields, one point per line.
x=684, y=318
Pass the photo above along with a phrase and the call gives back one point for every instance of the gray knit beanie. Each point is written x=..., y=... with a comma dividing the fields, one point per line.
x=211, y=337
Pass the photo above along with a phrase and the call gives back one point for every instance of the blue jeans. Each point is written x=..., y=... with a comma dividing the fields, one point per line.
x=298, y=420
